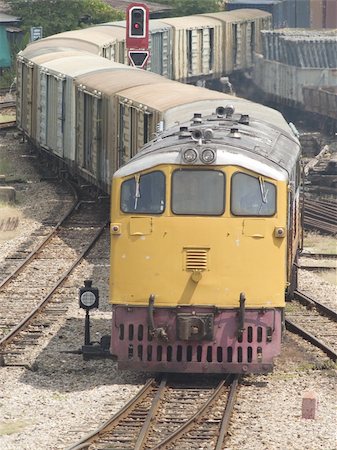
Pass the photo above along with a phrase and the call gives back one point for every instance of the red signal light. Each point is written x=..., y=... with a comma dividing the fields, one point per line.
x=137, y=26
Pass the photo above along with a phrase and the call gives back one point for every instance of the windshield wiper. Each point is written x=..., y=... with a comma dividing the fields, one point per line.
x=137, y=193
x=264, y=192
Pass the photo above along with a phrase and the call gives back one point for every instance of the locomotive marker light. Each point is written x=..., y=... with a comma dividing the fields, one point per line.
x=137, y=34
x=88, y=299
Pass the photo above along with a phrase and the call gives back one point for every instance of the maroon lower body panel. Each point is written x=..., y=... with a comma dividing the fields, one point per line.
x=221, y=349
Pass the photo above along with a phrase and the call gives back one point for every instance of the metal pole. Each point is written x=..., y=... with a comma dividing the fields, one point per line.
x=87, y=328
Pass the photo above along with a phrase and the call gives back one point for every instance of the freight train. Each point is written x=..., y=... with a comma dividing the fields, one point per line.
x=201, y=47
x=204, y=219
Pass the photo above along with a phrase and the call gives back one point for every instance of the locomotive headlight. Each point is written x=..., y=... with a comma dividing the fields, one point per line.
x=190, y=155
x=208, y=156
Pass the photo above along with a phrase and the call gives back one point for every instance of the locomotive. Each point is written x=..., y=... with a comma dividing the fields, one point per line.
x=204, y=238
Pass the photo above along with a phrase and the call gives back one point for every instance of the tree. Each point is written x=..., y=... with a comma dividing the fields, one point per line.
x=190, y=7
x=56, y=16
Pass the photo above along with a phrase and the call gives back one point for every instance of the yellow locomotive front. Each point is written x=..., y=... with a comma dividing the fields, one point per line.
x=198, y=258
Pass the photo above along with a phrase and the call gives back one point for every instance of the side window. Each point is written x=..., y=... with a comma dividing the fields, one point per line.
x=144, y=194
x=252, y=196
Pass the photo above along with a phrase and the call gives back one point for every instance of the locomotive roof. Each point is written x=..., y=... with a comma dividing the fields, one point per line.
x=255, y=144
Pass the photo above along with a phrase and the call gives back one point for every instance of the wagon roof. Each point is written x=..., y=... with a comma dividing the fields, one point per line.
x=55, y=45
x=81, y=64
x=238, y=14
x=154, y=24
x=197, y=21
x=117, y=79
x=41, y=58
x=97, y=34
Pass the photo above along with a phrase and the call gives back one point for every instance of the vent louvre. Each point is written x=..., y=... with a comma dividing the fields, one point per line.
x=196, y=259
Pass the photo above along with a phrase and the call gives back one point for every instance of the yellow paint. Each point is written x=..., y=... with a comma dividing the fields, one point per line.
x=237, y=254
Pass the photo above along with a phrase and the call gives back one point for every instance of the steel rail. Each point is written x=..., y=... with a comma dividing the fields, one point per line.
x=305, y=267
x=34, y=252
x=183, y=429
x=291, y=326
x=228, y=413
x=116, y=418
x=319, y=255
x=150, y=416
x=9, y=124
x=7, y=104
x=19, y=327
x=306, y=300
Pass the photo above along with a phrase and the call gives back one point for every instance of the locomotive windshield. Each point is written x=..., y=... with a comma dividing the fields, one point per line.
x=198, y=192
x=252, y=196
x=144, y=194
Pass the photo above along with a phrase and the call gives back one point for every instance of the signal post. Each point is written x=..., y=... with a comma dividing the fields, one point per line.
x=137, y=34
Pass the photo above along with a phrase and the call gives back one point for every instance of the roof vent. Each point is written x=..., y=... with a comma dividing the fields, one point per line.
x=234, y=133
x=183, y=132
x=244, y=119
x=197, y=118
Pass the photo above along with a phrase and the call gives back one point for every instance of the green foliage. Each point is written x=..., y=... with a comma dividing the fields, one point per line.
x=56, y=16
x=7, y=77
x=190, y=7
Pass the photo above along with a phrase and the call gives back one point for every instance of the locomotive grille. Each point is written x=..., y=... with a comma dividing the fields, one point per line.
x=196, y=259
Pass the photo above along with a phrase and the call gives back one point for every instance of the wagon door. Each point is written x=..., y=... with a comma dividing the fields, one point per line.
x=25, y=95
x=55, y=114
x=89, y=133
x=135, y=129
x=160, y=61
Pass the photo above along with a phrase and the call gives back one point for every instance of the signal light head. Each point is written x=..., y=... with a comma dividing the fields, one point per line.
x=137, y=22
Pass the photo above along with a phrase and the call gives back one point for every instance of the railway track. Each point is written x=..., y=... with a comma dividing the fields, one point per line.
x=8, y=125
x=9, y=121
x=320, y=215
x=318, y=261
x=314, y=322
x=27, y=304
x=169, y=414
x=7, y=104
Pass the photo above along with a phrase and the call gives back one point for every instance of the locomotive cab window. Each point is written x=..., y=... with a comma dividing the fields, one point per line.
x=198, y=192
x=252, y=196
x=144, y=194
